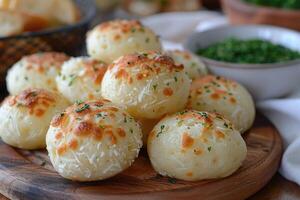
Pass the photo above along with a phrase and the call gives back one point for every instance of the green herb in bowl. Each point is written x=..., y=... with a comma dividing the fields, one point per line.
x=252, y=51
x=285, y=4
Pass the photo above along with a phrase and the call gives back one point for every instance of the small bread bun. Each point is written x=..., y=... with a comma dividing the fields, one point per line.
x=66, y=11
x=194, y=146
x=110, y=40
x=80, y=79
x=227, y=97
x=25, y=118
x=92, y=141
x=14, y=23
x=149, y=85
x=193, y=66
x=35, y=71
x=10, y=23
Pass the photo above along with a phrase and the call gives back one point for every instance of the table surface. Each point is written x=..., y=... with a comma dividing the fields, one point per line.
x=277, y=189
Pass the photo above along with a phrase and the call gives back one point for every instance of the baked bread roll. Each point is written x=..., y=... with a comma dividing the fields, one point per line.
x=227, y=97
x=14, y=23
x=53, y=11
x=110, y=40
x=10, y=23
x=193, y=146
x=92, y=141
x=35, y=71
x=25, y=118
x=80, y=79
x=193, y=66
x=149, y=85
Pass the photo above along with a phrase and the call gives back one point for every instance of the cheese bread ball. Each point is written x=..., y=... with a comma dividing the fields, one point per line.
x=35, y=71
x=149, y=85
x=227, y=97
x=193, y=145
x=25, y=118
x=110, y=40
x=193, y=66
x=92, y=141
x=80, y=79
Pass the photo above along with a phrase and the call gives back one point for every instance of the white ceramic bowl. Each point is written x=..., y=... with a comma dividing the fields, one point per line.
x=264, y=81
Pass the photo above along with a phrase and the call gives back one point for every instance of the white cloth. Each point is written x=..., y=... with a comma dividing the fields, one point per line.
x=174, y=28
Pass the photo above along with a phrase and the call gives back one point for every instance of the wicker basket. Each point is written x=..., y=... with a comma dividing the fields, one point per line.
x=69, y=39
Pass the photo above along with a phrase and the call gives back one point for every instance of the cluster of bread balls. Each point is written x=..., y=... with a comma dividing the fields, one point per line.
x=93, y=114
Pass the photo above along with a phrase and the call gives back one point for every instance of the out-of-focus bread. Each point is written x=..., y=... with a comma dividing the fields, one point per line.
x=10, y=23
x=193, y=66
x=53, y=11
x=111, y=40
x=35, y=71
x=80, y=79
x=66, y=11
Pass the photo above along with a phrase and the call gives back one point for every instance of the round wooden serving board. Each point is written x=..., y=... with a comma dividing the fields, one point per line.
x=29, y=175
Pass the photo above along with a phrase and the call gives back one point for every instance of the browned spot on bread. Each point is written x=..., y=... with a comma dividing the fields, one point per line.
x=121, y=132
x=232, y=100
x=189, y=174
x=215, y=96
x=111, y=136
x=198, y=152
x=37, y=101
x=62, y=149
x=117, y=37
x=73, y=144
x=123, y=26
x=45, y=60
x=94, y=69
x=168, y=92
x=58, y=120
x=149, y=64
x=39, y=112
x=91, y=96
x=187, y=141
x=220, y=134
x=58, y=135
x=83, y=129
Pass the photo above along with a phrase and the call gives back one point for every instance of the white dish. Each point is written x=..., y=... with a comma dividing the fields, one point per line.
x=264, y=81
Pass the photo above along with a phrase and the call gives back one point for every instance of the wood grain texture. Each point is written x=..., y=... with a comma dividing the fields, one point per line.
x=240, y=12
x=29, y=175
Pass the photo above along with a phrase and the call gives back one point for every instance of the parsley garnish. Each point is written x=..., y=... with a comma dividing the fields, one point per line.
x=209, y=149
x=84, y=107
x=203, y=114
x=161, y=130
x=175, y=78
x=72, y=79
x=78, y=102
x=154, y=87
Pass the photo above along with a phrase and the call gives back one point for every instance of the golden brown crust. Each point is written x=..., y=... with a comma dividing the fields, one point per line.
x=95, y=69
x=123, y=25
x=148, y=63
x=40, y=61
x=37, y=101
x=80, y=121
x=218, y=88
